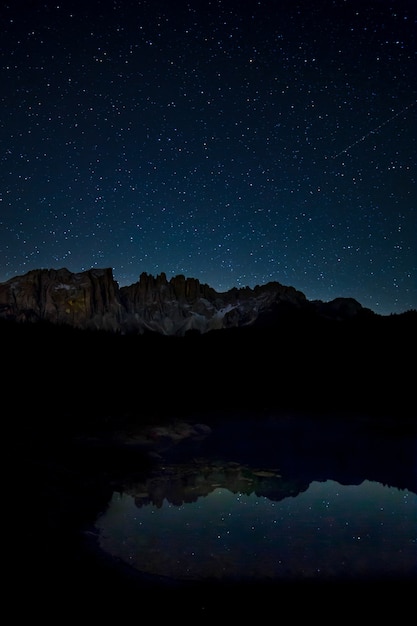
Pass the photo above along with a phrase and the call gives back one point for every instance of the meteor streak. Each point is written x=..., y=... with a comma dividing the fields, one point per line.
x=373, y=131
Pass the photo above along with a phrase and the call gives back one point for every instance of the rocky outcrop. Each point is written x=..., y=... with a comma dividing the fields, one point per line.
x=94, y=300
x=84, y=300
x=170, y=307
x=339, y=308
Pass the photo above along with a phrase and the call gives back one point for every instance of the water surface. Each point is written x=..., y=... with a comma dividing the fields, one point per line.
x=329, y=531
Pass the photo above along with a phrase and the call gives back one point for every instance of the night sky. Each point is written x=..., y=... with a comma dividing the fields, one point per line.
x=234, y=142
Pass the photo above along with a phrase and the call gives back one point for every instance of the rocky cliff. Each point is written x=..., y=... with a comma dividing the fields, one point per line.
x=94, y=300
x=85, y=300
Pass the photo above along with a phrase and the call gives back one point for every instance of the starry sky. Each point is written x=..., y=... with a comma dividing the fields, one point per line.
x=234, y=142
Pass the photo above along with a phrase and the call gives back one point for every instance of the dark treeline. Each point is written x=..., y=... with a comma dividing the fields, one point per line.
x=55, y=374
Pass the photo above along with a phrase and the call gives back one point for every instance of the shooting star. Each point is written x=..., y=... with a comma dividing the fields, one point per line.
x=373, y=131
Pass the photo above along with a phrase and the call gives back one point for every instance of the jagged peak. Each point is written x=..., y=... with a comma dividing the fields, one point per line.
x=93, y=298
x=63, y=272
x=150, y=280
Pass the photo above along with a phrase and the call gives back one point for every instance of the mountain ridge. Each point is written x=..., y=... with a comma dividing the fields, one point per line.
x=92, y=299
x=81, y=356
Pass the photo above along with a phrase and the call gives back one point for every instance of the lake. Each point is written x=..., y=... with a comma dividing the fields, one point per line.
x=286, y=499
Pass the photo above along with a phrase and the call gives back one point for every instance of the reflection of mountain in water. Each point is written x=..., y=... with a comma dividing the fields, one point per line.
x=68, y=486
x=277, y=458
x=182, y=483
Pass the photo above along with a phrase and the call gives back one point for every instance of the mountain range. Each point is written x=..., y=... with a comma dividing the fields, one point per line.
x=79, y=348
x=93, y=300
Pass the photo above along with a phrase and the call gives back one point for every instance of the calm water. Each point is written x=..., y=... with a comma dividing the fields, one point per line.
x=325, y=530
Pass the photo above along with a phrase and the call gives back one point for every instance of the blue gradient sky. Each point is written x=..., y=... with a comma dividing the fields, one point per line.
x=234, y=142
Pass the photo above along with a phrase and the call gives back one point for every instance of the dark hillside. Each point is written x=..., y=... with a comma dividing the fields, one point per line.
x=56, y=375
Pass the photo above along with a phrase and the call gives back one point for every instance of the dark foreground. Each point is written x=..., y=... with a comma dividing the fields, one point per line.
x=60, y=385
x=88, y=586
